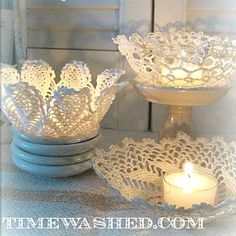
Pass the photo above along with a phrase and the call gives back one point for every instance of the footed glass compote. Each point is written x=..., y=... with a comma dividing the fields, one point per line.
x=180, y=69
x=56, y=125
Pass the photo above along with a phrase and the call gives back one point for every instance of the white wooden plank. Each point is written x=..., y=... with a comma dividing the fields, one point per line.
x=65, y=38
x=97, y=61
x=212, y=4
x=218, y=118
x=20, y=32
x=107, y=20
x=73, y=3
x=7, y=36
x=23, y=6
x=215, y=17
x=86, y=29
x=169, y=12
x=166, y=12
x=212, y=21
x=6, y=4
x=135, y=17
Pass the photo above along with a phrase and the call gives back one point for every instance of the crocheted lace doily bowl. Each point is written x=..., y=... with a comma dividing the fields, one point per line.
x=135, y=171
x=179, y=59
x=37, y=105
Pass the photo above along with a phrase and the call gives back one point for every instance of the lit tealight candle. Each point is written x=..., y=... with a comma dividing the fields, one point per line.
x=186, y=188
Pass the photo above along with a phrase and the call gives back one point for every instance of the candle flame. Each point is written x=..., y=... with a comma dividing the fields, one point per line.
x=188, y=169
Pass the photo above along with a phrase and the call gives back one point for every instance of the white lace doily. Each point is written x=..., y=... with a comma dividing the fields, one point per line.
x=135, y=170
x=180, y=59
x=38, y=106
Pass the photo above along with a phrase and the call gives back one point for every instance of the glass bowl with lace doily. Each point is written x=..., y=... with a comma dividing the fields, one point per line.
x=135, y=171
x=180, y=69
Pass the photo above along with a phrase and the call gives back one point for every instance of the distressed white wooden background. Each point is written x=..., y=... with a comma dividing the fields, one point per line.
x=6, y=24
x=59, y=31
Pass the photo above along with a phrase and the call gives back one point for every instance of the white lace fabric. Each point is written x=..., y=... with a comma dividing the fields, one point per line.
x=38, y=106
x=179, y=59
x=136, y=170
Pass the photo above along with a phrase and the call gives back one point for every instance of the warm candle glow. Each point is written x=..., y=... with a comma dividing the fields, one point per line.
x=38, y=104
x=181, y=74
x=188, y=187
x=179, y=59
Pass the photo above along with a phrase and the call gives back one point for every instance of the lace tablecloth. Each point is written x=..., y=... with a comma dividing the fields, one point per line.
x=25, y=195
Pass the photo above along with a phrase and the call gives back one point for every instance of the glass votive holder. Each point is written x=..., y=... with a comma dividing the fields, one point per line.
x=184, y=191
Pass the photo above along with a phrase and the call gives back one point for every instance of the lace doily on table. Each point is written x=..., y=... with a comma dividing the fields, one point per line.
x=180, y=59
x=38, y=106
x=135, y=170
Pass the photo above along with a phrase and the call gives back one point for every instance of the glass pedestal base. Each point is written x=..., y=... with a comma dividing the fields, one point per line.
x=180, y=102
x=179, y=118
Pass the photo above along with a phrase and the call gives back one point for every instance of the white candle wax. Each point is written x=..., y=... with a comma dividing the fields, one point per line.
x=183, y=189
